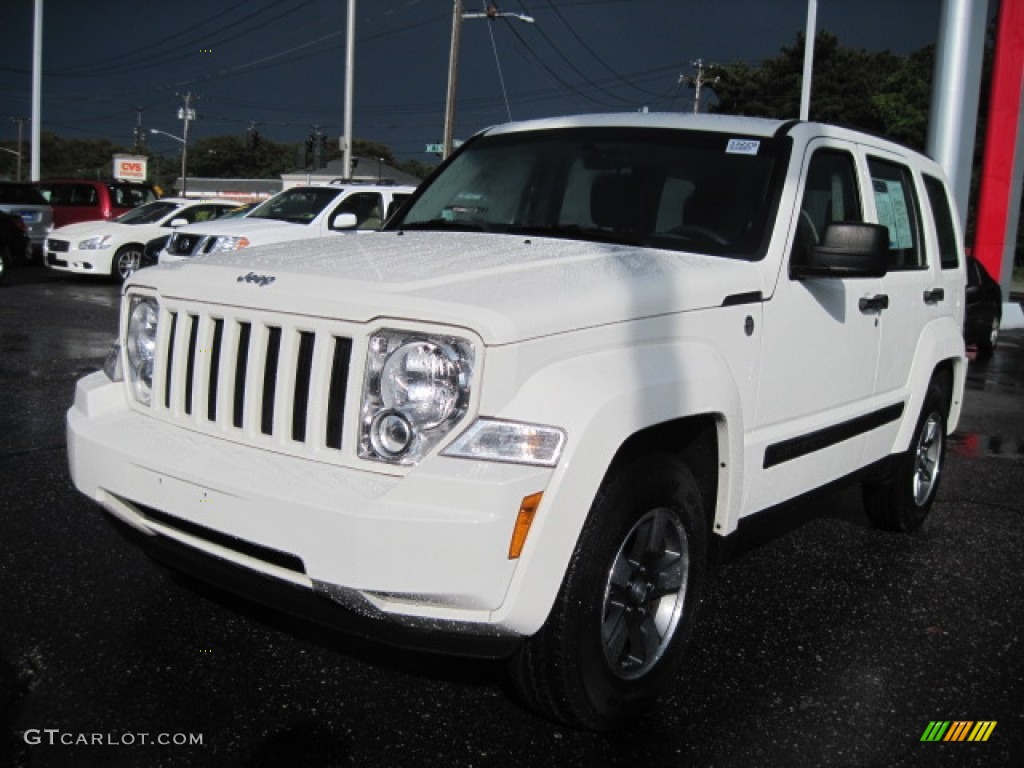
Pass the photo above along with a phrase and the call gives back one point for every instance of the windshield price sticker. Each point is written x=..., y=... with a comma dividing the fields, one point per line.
x=742, y=147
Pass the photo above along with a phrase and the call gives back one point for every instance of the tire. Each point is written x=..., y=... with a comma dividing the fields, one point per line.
x=617, y=630
x=126, y=262
x=987, y=345
x=5, y=262
x=902, y=503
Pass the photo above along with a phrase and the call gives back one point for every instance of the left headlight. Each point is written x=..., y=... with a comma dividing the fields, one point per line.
x=416, y=389
x=95, y=243
x=228, y=243
x=140, y=346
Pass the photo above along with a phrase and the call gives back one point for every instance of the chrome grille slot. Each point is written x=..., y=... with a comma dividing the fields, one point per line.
x=270, y=381
x=274, y=381
x=211, y=399
x=190, y=366
x=336, y=398
x=241, y=363
x=303, y=372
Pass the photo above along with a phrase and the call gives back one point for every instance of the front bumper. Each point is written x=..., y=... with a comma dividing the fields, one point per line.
x=422, y=551
x=93, y=262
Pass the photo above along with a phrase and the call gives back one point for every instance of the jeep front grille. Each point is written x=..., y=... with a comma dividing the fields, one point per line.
x=274, y=380
x=184, y=244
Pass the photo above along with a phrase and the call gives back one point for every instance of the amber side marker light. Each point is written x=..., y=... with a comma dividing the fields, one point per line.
x=527, y=509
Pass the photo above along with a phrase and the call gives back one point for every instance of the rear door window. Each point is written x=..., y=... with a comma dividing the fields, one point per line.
x=897, y=208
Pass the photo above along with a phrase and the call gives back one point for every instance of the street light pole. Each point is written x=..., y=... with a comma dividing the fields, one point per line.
x=491, y=13
x=188, y=115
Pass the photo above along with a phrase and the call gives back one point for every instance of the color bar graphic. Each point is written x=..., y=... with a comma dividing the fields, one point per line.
x=958, y=730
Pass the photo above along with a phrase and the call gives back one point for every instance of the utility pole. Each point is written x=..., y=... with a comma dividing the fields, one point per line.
x=350, y=66
x=188, y=115
x=698, y=81
x=21, y=150
x=140, y=136
x=453, y=81
x=492, y=12
x=37, y=88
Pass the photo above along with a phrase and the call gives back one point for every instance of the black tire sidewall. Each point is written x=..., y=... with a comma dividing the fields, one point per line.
x=124, y=250
x=892, y=505
x=647, y=484
x=914, y=511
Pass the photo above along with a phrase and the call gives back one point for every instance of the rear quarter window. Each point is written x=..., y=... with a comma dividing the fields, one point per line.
x=949, y=253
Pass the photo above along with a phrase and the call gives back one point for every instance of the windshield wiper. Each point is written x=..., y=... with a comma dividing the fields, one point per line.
x=448, y=225
x=577, y=232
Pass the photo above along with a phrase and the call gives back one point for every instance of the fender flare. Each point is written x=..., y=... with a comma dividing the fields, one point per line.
x=613, y=394
x=940, y=341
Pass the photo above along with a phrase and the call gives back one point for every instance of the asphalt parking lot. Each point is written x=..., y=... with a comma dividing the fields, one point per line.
x=822, y=641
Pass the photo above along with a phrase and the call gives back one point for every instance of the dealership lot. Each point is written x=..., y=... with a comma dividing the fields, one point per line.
x=821, y=642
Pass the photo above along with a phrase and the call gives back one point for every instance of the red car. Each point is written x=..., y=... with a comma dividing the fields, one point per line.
x=75, y=200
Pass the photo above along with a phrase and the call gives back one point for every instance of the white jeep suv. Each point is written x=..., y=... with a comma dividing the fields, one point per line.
x=511, y=423
x=298, y=213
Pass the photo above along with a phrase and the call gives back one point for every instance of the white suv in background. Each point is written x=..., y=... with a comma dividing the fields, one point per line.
x=298, y=213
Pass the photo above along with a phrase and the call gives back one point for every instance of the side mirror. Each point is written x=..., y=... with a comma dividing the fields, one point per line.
x=178, y=223
x=343, y=221
x=847, y=250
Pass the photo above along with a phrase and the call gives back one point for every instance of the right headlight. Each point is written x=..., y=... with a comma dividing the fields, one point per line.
x=417, y=387
x=140, y=346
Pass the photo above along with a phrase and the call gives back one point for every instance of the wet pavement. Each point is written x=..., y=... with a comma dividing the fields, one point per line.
x=822, y=641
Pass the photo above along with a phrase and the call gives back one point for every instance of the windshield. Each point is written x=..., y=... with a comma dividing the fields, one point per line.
x=150, y=213
x=299, y=206
x=682, y=190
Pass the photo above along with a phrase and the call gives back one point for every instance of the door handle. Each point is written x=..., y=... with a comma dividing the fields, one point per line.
x=934, y=296
x=874, y=303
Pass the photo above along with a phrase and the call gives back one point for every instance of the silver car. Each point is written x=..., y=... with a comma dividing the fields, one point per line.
x=24, y=201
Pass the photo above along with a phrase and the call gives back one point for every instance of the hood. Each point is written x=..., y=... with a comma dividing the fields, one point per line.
x=93, y=229
x=260, y=230
x=506, y=288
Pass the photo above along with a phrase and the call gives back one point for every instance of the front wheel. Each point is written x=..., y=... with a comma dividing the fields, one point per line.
x=615, y=636
x=126, y=262
x=902, y=503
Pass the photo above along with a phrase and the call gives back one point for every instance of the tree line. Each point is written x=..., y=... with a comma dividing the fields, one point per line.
x=226, y=157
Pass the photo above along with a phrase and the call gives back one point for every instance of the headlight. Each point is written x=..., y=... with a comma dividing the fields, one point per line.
x=95, y=243
x=140, y=345
x=416, y=389
x=226, y=243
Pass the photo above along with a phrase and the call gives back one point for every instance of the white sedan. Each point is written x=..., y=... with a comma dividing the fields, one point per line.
x=115, y=248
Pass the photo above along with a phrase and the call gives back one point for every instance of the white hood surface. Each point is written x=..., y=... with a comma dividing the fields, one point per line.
x=506, y=287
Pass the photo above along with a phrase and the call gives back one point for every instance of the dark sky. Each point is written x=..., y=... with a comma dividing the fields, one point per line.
x=281, y=63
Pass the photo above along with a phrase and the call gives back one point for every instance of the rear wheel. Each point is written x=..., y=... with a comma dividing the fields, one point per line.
x=987, y=345
x=126, y=262
x=902, y=503
x=616, y=633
